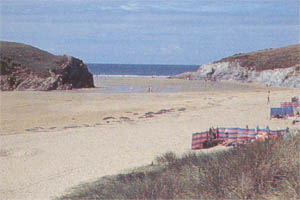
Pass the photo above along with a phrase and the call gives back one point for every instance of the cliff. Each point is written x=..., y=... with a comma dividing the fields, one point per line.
x=277, y=67
x=24, y=67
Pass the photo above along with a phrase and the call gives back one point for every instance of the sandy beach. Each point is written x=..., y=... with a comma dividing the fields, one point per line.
x=52, y=141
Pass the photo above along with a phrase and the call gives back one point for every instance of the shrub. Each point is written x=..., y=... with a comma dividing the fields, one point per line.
x=167, y=158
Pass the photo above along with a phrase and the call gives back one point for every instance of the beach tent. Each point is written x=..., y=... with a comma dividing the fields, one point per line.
x=291, y=108
x=288, y=111
x=277, y=112
x=282, y=112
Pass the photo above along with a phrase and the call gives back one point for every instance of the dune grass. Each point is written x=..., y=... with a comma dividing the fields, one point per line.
x=263, y=170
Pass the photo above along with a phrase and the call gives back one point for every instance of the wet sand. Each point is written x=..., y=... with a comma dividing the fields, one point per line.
x=51, y=141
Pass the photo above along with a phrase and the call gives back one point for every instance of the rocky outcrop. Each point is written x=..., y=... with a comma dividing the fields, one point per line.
x=287, y=77
x=60, y=73
x=261, y=67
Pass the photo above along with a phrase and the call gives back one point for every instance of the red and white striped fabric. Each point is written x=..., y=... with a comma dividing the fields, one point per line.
x=198, y=139
x=288, y=104
x=234, y=135
x=242, y=135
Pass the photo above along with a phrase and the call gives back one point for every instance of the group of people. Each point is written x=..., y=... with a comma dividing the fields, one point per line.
x=213, y=133
x=262, y=136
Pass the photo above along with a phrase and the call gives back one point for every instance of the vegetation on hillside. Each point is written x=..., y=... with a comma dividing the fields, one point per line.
x=14, y=55
x=263, y=170
x=268, y=59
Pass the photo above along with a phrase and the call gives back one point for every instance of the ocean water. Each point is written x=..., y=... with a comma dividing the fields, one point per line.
x=139, y=70
x=132, y=78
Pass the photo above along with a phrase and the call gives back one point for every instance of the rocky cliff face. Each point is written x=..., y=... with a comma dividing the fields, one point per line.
x=287, y=77
x=276, y=67
x=25, y=73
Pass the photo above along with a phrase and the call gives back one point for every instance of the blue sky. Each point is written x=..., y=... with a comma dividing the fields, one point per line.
x=151, y=31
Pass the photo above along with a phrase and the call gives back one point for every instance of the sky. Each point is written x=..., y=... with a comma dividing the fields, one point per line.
x=151, y=31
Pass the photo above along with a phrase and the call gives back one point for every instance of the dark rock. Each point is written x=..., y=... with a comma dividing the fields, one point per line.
x=107, y=118
x=75, y=73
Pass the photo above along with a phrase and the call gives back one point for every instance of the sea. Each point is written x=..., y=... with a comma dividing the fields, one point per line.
x=139, y=69
x=126, y=78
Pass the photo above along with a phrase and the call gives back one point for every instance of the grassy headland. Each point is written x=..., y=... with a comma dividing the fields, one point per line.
x=14, y=54
x=24, y=67
x=262, y=170
x=283, y=57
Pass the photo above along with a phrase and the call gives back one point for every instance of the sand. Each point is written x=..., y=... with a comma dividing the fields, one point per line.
x=52, y=141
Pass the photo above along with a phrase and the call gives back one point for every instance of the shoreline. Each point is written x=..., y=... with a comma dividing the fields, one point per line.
x=128, y=76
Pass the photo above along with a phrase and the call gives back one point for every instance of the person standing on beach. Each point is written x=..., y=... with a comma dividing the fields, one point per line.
x=268, y=100
x=211, y=135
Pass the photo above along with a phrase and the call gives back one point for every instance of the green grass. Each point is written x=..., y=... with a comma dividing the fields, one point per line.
x=263, y=170
x=269, y=59
x=14, y=54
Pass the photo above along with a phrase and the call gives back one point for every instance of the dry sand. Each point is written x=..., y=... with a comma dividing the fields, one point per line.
x=51, y=141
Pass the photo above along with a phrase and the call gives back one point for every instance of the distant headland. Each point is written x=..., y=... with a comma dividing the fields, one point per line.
x=276, y=67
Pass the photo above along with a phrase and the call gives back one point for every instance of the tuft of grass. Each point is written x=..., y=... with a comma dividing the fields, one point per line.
x=167, y=158
x=263, y=170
